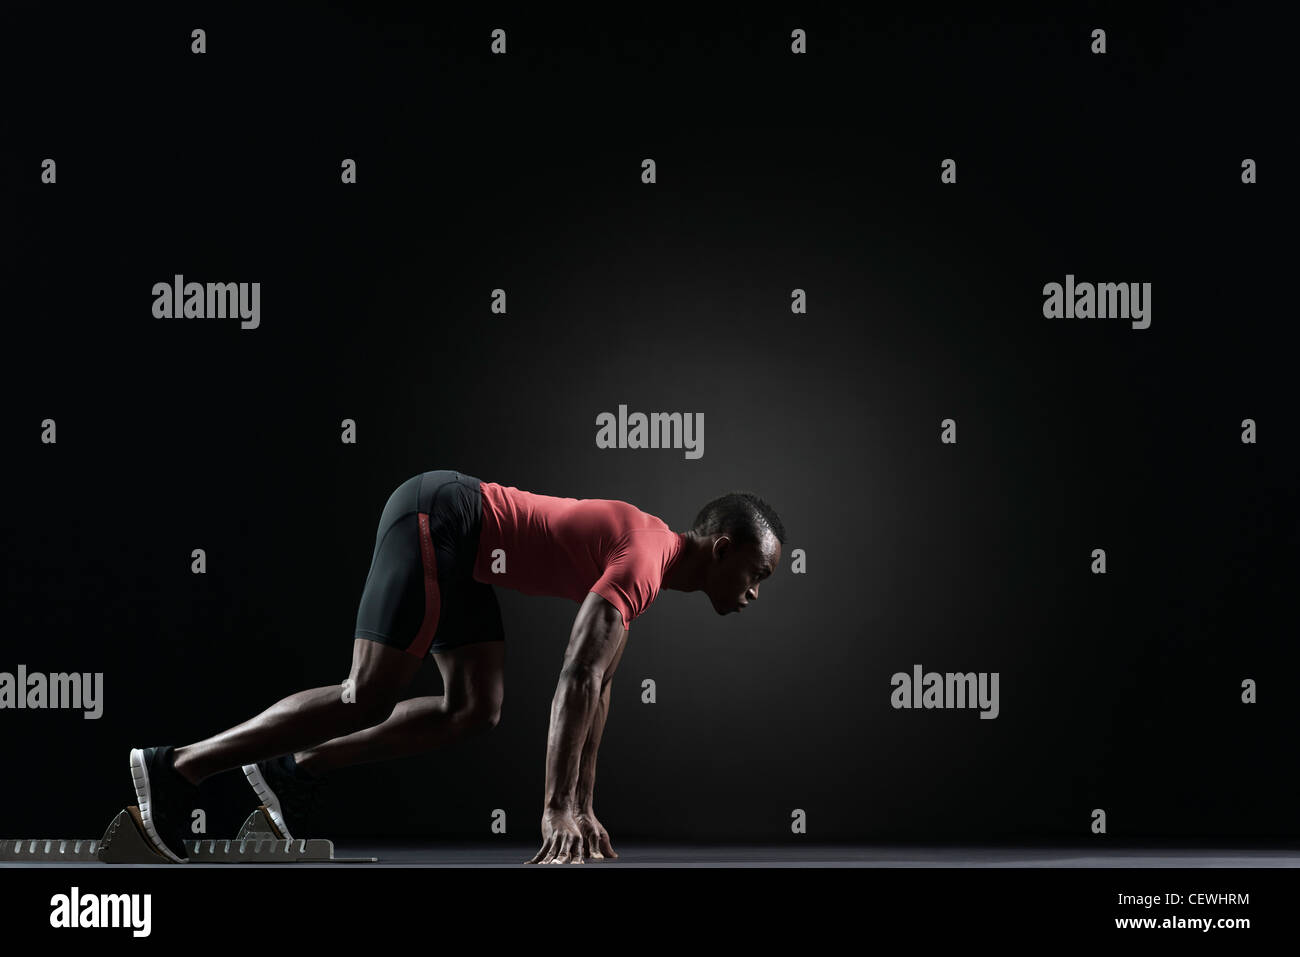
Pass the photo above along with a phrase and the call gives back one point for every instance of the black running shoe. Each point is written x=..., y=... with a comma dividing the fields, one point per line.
x=287, y=791
x=165, y=800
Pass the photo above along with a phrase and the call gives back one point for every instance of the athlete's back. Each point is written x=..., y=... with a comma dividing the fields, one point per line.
x=567, y=547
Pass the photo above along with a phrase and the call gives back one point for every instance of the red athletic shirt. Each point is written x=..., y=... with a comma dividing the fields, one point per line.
x=567, y=547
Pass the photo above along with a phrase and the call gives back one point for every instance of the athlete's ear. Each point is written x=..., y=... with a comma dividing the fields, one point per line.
x=721, y=547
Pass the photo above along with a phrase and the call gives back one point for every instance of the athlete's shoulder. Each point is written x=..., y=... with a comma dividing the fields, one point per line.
x=653, y=548
x=636, y=519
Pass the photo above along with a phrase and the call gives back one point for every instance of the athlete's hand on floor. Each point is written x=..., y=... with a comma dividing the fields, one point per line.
x=561, y=839
x=595, y=839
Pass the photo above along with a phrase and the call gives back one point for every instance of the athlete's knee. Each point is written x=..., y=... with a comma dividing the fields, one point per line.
x=359, y=716
x=379, y=676
x=372, y=703
x=482, y=712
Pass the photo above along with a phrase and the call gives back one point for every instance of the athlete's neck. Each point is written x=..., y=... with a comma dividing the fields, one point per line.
x=687, y=571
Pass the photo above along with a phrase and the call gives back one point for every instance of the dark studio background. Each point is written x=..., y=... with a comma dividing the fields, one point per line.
x=819, y=172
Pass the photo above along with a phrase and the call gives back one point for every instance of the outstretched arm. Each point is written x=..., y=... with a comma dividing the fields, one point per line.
x=597, y=634
x=596, y=843
x=587, y=771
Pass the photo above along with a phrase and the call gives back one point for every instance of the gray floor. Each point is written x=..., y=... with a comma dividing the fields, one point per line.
x=672, y=855
x=661, y=855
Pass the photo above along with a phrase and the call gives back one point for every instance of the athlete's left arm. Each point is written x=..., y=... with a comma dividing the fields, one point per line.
x=587, y=768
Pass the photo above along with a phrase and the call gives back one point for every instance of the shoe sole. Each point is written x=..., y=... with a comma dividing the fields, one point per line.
x=267, y=797
x=140, y=777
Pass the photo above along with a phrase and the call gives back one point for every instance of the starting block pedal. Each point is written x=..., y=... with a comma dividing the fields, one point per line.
x=124, y=842
x=259, y=826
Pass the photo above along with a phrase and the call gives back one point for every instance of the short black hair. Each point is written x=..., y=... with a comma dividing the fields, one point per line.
x=741, y=516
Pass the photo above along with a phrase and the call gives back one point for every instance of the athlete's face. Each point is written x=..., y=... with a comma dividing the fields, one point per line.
x=737, y=570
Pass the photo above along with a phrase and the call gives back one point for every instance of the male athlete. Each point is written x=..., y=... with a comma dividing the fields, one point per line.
x=444, y=540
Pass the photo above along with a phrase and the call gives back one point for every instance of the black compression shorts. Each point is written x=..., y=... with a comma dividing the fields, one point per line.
x=420, y=593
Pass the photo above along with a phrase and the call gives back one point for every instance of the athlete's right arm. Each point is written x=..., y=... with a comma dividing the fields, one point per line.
x=596, y=637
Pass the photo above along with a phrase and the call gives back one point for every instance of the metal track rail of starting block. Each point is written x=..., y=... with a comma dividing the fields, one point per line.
x=124, y=842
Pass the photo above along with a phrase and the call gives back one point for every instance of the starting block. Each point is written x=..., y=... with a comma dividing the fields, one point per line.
x=258, y=842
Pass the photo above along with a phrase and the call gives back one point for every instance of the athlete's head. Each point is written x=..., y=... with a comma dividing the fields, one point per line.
x=745, y=535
